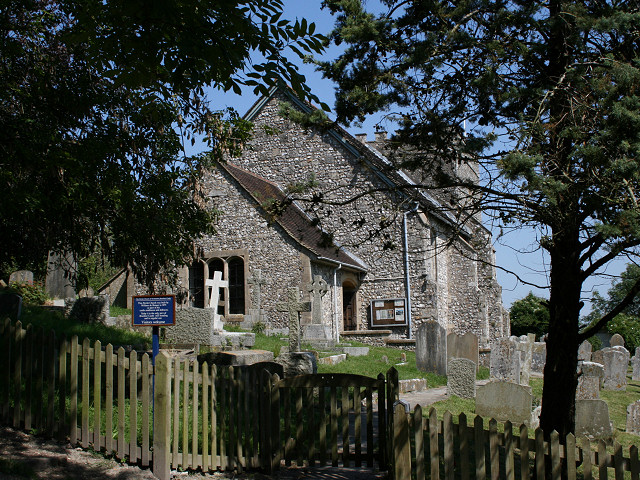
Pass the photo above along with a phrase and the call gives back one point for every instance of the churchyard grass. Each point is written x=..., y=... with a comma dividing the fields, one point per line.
x=115, y=311
x=56, y=321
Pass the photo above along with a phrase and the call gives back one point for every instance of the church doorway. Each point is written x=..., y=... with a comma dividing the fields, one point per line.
x=349, y=313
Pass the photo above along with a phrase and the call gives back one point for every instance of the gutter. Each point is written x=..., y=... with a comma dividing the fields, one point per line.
x=406, y=265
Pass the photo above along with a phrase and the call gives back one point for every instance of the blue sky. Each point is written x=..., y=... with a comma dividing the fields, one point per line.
x=530, y=267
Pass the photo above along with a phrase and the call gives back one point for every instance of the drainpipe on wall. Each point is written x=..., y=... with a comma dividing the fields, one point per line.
x=407, y=287
x=335, y=302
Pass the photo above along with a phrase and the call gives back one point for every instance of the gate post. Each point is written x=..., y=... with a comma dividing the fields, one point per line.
x=162, y=418
x=265, y=421
x=393, y=395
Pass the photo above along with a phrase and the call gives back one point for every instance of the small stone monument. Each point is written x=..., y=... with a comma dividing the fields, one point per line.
x=635, y=366
x=256, y=314
x=592, y=419
x=463, y=346
x=590, y=377
x=615, y=361
x=316, y=332
x=506, y=401
x=21, y=276
x=505, y=360
x=461, y=378
x=616, y=340
x=214, y=285
x=294, y=306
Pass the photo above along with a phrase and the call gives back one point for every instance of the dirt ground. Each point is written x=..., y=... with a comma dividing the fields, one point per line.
x=25, y=456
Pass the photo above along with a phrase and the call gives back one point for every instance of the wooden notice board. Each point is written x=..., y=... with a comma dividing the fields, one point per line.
x=388, y=312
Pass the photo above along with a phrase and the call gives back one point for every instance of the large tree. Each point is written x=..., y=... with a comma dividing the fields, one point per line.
x=543, y=99
x=96, y=101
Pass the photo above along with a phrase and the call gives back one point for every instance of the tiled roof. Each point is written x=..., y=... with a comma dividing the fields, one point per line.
x=292, y=219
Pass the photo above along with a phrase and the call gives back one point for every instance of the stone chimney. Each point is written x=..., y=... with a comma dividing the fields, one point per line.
x=362, y=137
x=381, y=136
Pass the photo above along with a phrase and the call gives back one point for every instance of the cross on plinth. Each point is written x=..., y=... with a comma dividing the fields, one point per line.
x=214, y=285
x=318, y=289
x=294, y=306
x=257, y=280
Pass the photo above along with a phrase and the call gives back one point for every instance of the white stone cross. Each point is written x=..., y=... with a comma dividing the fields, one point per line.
x=215, y=284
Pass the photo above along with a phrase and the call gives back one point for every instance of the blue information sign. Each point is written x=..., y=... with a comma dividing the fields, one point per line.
x=154, y=310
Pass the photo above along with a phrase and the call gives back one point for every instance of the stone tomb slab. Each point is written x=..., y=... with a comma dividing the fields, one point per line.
x=505, y=401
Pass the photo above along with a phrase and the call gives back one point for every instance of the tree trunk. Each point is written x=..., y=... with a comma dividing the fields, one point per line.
x=560, y=371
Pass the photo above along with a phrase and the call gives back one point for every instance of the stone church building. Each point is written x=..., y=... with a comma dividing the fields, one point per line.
x=373, y=268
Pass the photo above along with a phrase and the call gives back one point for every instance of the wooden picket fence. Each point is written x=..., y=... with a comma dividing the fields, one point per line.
x=428, y=448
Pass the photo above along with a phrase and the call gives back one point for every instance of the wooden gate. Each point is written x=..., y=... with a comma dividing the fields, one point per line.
x=337, y=419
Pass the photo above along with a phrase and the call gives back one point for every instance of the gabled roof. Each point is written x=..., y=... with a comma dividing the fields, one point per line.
x=293, y=219
x=381, y=166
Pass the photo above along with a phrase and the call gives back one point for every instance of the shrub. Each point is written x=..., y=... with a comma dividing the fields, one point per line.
x=31, y=293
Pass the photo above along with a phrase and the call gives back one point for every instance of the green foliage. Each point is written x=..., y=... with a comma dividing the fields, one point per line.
x=32, y=293
x=94, y=272
x=541, y=100
x=259, y=327
x=96, y=101
x=529, y=315
x=116, y=311
x=596, y=343
x=629, y=327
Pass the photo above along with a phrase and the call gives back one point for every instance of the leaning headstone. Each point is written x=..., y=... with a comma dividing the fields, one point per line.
x=616, y=340
x=505, y=401
x=21, y=276
x=431, y=348
x=633, y=418
x=590, y=378
x=584, y=351
x=297, y=363
x=294, y=306
x=463, y=346
x=592, y=419
x=505, y=360
x=615, y=361
x=461, y=378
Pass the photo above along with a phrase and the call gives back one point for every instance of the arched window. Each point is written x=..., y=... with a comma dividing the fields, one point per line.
x=236, y=286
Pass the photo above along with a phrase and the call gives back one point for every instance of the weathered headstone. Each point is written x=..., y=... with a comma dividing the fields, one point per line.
x=633, y=418
x=584, y=351
x=294, y=306
x=616, y=340
x=57, y=282
x=590, y=377
x=214, y=285
x=538, y=357
x=21, y=276
x=505, y=360
x=505, y=401
x=431, y=348
x=597, y=357
x=615, y=361
x=635, y=367
x=526, y=349
x=592, y=419
x=297, y=363
x=463, y=346
x=461, y=378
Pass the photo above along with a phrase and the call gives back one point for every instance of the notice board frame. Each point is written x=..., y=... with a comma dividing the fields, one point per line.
x=388, y=312
x=164, y=312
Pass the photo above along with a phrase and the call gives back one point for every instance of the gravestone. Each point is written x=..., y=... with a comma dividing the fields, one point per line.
x=615, y=361
x=592, y=419
x=461, y=378
x=294, y=306
x=10, y=306
x=633, y=418
x=57, y=282
x=89, y=309
x=505, y=401
x=431, y=348
x=504, y=362
x=316, y=332
x=538, y=357
x=597, y=357
x=356, y=351
x=236, y=357
x=616, y=340
x=214, y=285
x=584, y=351
x=590, y=378
x=635, y=366
x=463, y=346
x=525, y=346
x=21, y=276
x=256, y=314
